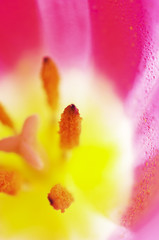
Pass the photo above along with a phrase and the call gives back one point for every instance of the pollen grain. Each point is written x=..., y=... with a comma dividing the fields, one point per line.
x=70, y=127
x=5, y=118
x=10, y=181
x=50, y=78
x=60, y=198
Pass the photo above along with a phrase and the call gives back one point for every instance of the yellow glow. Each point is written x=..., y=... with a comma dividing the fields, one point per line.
x=94, y=173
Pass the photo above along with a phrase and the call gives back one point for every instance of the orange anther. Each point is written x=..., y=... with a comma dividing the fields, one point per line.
x=10, y=181
x=4, y=117
x=60, y=198
x=70, y=127
x=50, y=78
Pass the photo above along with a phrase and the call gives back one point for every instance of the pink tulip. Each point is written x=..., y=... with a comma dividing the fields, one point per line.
x=119, y=39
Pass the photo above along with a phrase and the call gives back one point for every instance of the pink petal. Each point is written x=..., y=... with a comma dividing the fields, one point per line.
x=118, y=36
x=150, y=230
x=67, y=30
x=143, y=108
x=145, y=195
x=19, y=28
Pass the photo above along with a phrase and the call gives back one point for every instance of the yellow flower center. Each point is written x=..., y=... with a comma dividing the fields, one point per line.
x=52, y=160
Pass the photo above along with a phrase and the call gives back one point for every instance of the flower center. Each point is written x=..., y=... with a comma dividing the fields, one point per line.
x=25, y=143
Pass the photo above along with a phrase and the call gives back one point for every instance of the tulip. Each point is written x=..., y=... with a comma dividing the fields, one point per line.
x=78, y=113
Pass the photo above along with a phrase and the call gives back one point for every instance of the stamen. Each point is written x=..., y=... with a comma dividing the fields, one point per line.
x=4, y=117
x=70, y=127
x=10, y=181
x=50, y=78
x=60, y=198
